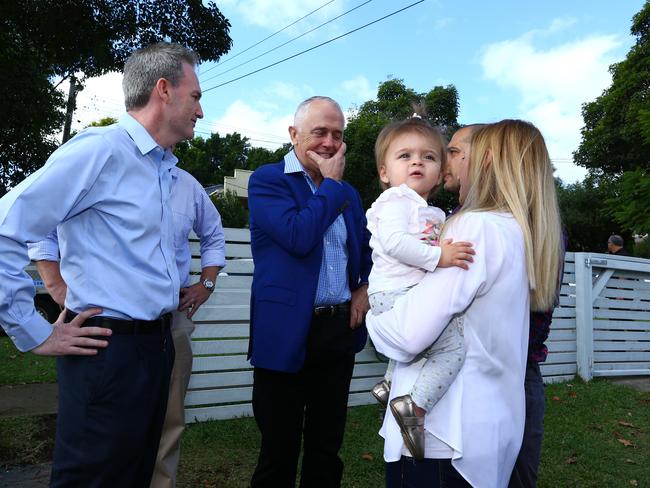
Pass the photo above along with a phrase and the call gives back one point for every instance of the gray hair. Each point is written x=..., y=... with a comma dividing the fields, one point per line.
x=303, y=109
x=616, y=240
x=147, y=65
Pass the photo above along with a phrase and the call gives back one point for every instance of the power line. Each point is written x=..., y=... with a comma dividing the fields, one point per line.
x=287, y=42
x=268, y=37
x=312, y=48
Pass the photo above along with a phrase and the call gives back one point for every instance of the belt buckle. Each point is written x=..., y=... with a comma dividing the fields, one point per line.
x=326, y=310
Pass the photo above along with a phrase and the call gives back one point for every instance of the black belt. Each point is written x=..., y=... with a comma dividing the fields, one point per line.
x=120, y=326
x=332, y=310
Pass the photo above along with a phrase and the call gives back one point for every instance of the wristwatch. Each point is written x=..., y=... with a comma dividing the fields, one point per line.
x=209, y=284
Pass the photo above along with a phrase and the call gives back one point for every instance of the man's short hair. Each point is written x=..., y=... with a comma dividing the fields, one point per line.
x=303, y=108
x=147, y=65
x=616, y=240
x=471, y=129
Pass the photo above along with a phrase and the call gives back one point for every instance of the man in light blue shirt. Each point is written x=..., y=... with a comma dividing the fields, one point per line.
x=192, y=210
x=107, y=192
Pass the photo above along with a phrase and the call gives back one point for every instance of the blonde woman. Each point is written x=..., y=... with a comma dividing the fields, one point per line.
x=510, y=214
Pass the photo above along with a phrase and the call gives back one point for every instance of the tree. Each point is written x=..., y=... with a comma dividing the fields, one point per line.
x=258, y=156
x=209, y=160
x=585, y=215
x=59, y=39
x=394, y=102
x=616, y=136
x=231, y=210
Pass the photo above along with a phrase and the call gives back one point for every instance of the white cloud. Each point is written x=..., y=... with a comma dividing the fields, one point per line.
x=264, y=128
x=359, y=88
x=276, y=14
x=285, y=91
x=553, y=83
x=443, y=22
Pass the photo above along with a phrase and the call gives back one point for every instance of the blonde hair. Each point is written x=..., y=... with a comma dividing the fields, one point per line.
x=395, y=129
x=510, y=170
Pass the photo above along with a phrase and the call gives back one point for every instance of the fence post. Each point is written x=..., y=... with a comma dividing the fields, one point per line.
x=584, y=316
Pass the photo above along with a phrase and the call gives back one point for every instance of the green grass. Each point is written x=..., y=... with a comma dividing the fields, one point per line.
x=587, y=427
x=597, y=435
x=17, y=368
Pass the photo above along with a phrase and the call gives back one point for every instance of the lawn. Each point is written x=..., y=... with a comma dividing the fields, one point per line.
x=17, y=368
x=597, y=435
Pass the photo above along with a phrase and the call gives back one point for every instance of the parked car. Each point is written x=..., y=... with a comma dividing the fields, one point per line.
x=43, y=302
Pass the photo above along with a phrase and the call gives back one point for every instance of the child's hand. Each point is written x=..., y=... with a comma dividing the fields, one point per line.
x=456, y=254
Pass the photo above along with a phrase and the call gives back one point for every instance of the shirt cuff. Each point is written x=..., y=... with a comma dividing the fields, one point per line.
x=32, y=332
x=213, y=258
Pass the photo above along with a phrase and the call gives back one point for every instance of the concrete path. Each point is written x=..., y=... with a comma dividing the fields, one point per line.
x=36, y=399
x=37, y=476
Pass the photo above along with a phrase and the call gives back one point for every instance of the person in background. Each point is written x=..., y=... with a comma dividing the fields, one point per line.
x=615, y=245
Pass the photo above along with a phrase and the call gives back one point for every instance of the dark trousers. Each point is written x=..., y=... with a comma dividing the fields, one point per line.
x=111, y=410
x=428, y=473
x=310, y=405
x=524, y=474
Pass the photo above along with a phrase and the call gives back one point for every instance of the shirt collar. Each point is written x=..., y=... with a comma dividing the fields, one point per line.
x=138, y=134
x=144, y=142
x=292, y=164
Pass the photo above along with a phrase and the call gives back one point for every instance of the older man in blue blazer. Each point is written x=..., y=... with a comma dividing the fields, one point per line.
x=309, y=299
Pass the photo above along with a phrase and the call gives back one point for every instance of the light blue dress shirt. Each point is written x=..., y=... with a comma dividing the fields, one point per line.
x=333, y=287
x=192, y=210
x=108, y=191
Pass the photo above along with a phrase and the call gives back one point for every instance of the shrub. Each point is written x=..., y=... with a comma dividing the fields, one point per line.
x=232, y=212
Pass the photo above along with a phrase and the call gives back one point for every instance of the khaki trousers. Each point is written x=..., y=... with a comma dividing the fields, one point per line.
x=169, y=450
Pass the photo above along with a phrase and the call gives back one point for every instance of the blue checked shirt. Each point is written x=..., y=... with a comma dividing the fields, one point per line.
x=333, y=286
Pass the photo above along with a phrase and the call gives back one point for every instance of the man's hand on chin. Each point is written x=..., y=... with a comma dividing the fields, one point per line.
x=332, y=167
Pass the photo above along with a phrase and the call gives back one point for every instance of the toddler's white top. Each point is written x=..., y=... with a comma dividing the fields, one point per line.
x=404, y=240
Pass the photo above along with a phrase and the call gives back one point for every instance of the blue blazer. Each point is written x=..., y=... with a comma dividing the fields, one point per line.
x=287, y=224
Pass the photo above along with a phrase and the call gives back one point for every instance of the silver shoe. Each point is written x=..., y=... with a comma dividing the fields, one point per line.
x=411, y=426
x=381, y=391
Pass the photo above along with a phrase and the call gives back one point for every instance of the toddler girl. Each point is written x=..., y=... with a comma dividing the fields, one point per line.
x=405, y=243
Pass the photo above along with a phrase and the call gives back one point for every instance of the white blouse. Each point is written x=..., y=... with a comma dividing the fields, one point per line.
x=480, y=420
x=400, y=256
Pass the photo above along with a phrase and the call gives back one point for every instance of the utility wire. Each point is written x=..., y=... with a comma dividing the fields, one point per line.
x=312, y=48
x=268, y=37
x=287, y=42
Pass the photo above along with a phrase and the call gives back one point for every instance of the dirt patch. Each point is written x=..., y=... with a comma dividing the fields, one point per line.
x=26, y=440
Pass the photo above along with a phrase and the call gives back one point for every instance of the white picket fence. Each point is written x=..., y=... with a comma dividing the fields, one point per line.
x=601, y=327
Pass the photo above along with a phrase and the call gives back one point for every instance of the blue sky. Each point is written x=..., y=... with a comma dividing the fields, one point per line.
x=539, y=61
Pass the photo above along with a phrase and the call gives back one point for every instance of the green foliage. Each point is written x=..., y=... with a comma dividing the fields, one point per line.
x=394, y=102
x=103, y=122
x=630, y=206
x=585, y=215
x=42, y=40
x=231, y=209
x=615, y=134
x=209, y=160
x=258, y=156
